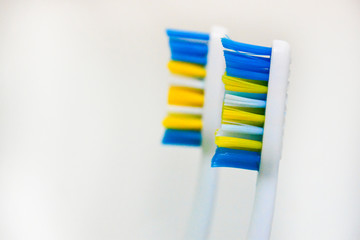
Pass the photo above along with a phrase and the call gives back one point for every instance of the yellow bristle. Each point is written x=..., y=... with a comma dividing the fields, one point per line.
x=182, y=122
x=187, y=69
x=244, y=85
x=184, y=96
x=241, y=116
x=238, y=143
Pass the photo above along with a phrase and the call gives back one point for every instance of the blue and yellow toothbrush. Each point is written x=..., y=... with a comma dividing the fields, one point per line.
x=195, y=101
x=250, y=136
x=189, y=52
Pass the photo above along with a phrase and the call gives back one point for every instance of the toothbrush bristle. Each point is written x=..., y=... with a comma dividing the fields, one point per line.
x=191, y=35
x=239, y=139
x=246, y=48
x=182, y=137
x=188, y=60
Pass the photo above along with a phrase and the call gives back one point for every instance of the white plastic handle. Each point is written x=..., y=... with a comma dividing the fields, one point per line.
x=214, y=92
x=264, y=204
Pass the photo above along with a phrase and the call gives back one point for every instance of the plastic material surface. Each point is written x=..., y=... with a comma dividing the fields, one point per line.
x=264, y=204
x=200, y=220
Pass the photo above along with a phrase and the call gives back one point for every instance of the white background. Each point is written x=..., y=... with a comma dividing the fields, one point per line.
x=83, y=89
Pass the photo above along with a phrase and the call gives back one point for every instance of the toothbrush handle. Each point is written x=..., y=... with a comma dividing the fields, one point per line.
x=201, y=216
x=264, y=204
x=214, y=93
x=260, y=225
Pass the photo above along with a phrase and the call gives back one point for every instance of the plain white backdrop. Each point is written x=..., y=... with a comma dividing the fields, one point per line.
x=83, y=89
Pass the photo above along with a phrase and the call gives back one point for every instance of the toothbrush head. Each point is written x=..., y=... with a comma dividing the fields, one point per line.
x=249, y=78
x=186, y=93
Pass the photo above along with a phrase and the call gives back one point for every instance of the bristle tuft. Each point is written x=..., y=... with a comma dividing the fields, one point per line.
x=226, y=157
x=181, y=137
x=186, y=95
x=239, y=139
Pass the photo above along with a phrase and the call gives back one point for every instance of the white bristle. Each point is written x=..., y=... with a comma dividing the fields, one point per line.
x=237, y=101
x=184, y=110
x=186, y=82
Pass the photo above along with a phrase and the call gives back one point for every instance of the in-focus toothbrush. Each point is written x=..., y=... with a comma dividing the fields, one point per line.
x=250, y=136
x=190, y=52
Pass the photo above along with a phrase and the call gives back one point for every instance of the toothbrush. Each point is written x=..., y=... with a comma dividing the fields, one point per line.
x=196, y=106
x=250, y=136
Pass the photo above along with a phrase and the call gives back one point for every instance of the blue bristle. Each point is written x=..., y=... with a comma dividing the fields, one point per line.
x=187, y=34
x=245, y=62
x=226, y=157
x=182, y=137
x=249, y=67
x=189, y=47
x=189, y=58
x=234, y=72
x=260, y=96
x=262, y=61
x=243, y=47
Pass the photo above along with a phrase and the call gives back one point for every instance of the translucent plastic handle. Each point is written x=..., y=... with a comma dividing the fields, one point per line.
x=214, y=91
x=261, y=221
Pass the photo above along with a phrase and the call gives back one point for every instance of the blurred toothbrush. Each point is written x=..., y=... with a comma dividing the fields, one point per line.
x=194, y=111
x=186, y=93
